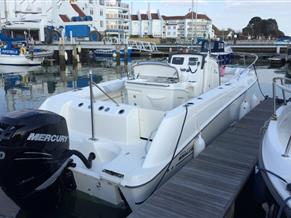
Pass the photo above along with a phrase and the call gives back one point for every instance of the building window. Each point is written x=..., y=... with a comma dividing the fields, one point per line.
x=91, y=1
x=101, y=2
x=101, y=23
x=101, y=12
x=91, y=11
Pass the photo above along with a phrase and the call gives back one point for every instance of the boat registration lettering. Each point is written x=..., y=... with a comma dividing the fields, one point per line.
x=2, y=155
x=46, y=137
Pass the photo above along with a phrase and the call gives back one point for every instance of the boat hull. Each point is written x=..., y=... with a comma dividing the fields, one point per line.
x=272, y=158
x=223, y=120
x=112, y=53
x=115, y=193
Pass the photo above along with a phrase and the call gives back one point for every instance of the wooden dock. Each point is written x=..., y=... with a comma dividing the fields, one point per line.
x=209, y=185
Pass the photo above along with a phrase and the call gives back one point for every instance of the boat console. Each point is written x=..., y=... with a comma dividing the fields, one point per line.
x=163, y=86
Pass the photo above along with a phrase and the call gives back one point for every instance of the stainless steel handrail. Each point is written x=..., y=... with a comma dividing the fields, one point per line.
x=284, y=89
x=91, y=83
x=244, y=54
x=92, y=106
x=108, y=96
x=287, y=149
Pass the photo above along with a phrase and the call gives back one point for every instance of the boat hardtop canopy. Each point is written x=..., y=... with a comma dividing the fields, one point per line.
x=154, y=69
x=214, y=45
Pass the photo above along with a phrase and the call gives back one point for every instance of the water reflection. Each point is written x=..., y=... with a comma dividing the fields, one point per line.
x=79, y=205
x=18, y=69
x=27, y=87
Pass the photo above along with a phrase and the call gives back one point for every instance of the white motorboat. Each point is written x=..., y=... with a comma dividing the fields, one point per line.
x=275, y=156
x=13, y=53
x=137, y=132
x=20, y=60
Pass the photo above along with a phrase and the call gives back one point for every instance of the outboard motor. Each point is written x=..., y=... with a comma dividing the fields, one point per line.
x=34, y=153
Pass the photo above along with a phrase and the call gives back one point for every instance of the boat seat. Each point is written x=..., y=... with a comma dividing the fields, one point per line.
x=156, y=96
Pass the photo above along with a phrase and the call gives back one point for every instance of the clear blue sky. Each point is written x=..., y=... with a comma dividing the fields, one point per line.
x=226, y=13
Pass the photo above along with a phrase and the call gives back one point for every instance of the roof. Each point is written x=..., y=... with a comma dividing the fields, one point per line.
x=173, y=17
x=187, y=16
x=199, y=16
x=134, y=17
x=216, y=30
x=144, y=16
x=155, y=16
x=64, y=18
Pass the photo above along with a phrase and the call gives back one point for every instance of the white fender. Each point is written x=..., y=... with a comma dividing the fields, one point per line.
x=245, y=108
x=254, y=101
x=199, y=145
x=66, y=55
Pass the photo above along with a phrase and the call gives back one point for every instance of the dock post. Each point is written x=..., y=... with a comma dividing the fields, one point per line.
x=62, y=58
x=125, y=55
x=75, y=77
x=75, y=55
x=79, y=52
x=117, y=54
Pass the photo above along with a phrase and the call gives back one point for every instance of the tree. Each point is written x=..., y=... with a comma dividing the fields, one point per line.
x=265, y=28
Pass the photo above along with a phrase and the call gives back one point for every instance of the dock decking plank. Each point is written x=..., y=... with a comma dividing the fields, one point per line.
x=208, y=185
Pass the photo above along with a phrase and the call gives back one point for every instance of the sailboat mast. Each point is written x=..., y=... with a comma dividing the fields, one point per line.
x=5, y=11
x=196, y=15
x=0, y=18
x=192, y=22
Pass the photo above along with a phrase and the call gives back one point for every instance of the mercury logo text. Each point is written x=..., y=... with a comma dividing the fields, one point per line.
x=46, y=137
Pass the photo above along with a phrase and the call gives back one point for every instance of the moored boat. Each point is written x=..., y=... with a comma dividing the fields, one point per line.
x=14, y=52
x=222, y=52
x=136, y=132
x=112, y=52
x=275, y=156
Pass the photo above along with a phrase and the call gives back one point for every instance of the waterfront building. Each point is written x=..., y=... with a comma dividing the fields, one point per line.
x=189, y=26
x=146, y=24
x=174, y=26
x=117, y=17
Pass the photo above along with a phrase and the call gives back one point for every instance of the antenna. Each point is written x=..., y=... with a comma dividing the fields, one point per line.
x=149, y=7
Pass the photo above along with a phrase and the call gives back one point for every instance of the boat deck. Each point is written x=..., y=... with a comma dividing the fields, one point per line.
x=209, y=185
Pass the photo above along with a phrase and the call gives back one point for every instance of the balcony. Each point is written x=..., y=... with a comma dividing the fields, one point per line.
x=117, y=5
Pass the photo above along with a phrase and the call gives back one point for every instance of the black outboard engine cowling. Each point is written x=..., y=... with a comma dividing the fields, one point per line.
x=34, y=151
